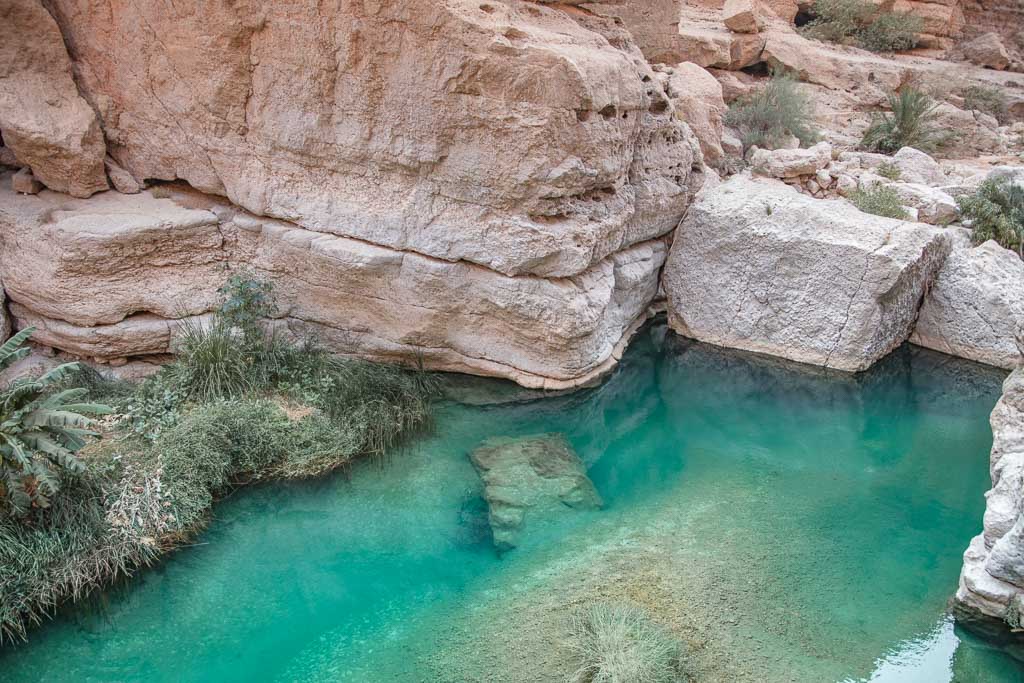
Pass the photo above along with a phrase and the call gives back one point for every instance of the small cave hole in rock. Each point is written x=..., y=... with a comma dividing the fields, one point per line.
x=759, y=69
x=803, y=18
x=487, y=8
x=608, y=112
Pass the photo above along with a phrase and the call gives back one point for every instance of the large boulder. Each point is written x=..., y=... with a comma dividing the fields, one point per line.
x=527, y=138
x=758, y=266
x=742, y=16
x=43, y=119
x=974, y=308
x=110, y=276
x=697, y=97
x=917, y=167
x=529, y=480
x=986, y=50
x=992, y=579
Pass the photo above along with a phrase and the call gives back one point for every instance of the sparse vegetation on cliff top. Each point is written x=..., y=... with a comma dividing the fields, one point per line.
x=909, y=123
x=996, y=212
x=863, y=24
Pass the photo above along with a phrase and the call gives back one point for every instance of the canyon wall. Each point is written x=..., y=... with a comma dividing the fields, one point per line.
x=487, y=185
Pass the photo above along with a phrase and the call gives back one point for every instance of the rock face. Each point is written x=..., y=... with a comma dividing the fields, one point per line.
x=991, y=583
x=529, y=479
x=380, y=121
x=974, y=308
x=697, y=97
x=42, y=117
x=109, y=276
x=986, y=50
x=757, y=266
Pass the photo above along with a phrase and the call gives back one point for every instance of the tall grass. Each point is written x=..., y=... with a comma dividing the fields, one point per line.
x=236, y=406
x=880, y=201
x=863, y=24
x=773, y=114
x=996, y=212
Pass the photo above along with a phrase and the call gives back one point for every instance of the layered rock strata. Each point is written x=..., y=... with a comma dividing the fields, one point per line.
x=110, y=277
x=758, y=266
x=524, y=138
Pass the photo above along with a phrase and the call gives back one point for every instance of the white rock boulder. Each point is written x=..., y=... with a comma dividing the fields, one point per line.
x=758, y=266
x=791, y=163
x=975, y=307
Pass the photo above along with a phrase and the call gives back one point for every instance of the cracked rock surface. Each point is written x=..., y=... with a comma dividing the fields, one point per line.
x=758, y=266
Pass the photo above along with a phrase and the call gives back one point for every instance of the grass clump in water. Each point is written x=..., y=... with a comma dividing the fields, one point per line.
x=773, y=114
x=620, y=643
x=880, y=201
x=238, y=405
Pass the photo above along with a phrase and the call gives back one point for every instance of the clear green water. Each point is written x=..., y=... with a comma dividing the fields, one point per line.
x=787, y=524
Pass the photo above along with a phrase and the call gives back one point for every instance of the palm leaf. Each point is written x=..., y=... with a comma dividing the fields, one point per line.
x=11, y=350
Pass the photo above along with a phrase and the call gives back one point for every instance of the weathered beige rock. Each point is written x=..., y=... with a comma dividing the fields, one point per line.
x=24, y=182
x=381, y=123
x=43, y=118
x=970, y=133
x=791, y=163
x=917, y=167
x=697, y=98
x=986, y=50
x=974, y=308
x=931, y=204
x=991, y=579
x=742, y=16
x=104, y=276
x=758, y=266
x=121, y=179
x=714, y=46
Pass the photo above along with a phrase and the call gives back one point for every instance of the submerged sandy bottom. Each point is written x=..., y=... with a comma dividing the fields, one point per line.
x=785, y=524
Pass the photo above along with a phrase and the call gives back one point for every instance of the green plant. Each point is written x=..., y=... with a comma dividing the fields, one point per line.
x=863, y=24
x=890, y=32
x=214, y=361
x=986, y=99
x=619, y=643
x=880, y=201
x=910, y=123
x=996, y=212
x=246, y=300
x=41, y=429
x=772, y=114
x=889, y=170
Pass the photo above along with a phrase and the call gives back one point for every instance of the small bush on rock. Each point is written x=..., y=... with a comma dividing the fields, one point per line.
x=910, y=123
x=863, y=24
x=619, y=643
x=889, y=170
x=880, y=201
x=988, y=100
x=773, y=114
x=996, y=212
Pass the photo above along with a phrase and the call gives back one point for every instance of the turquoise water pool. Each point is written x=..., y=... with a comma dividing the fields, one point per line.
x=786, y=523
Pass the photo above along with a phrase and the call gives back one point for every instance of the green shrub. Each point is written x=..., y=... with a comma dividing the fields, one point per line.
x=890, y=32
x=219, y=416
x=619, y=643
x=41, y=429
x=772, y=114
x=863, y=24
x=996, y=212
x=988, y=100
x=910, y=123
x=889, y=170
x=880, y=201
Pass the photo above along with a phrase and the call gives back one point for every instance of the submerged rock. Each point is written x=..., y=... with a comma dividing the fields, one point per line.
x=758, y=266
x=535, y=477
